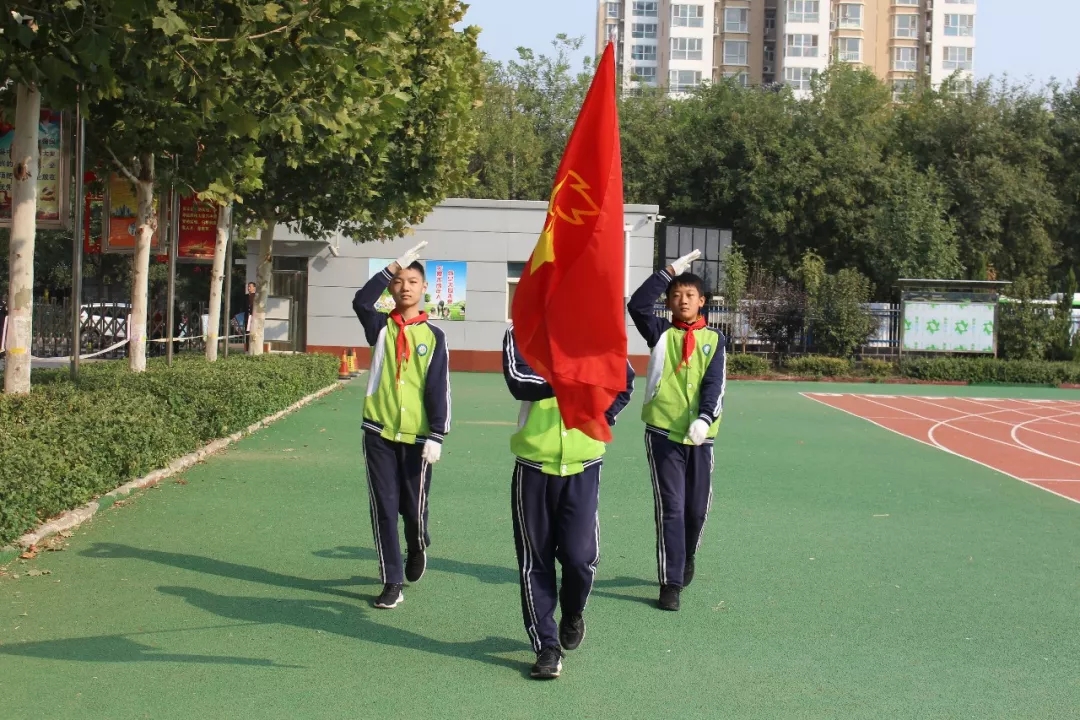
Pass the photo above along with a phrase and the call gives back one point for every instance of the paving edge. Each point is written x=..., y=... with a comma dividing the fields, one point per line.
x=76, y=517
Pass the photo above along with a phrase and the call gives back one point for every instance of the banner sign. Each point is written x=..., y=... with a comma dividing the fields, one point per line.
x=93, y=217
x=52, y=185
x=198, y=229
x=446, y=289
x=122, y=211
x=959, y=327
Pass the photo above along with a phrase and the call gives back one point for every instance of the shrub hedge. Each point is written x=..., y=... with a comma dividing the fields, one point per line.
x=747, y=365
x=984, y=371
x=64, y=444
x=818, y=366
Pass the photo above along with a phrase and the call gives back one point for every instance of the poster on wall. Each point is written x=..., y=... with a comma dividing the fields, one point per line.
x=962, y=327
x=446, y=289
x=122, y=211
x=198, y=230
x=52, y=171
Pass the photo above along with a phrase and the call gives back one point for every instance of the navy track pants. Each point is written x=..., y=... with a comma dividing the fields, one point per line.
x=555, y=518
x=682, y=496
x=399, y=480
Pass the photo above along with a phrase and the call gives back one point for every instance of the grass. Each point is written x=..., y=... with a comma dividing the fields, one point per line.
x=846, y=572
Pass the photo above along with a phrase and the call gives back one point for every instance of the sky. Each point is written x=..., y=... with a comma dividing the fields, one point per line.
x=1026, y=39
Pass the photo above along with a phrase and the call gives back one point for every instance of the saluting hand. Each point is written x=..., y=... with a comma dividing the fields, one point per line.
x=410, y=256
x=683, y=264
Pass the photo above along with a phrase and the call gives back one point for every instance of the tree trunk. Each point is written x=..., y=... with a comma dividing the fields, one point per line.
x=262, y=286
x=140, y=275
x=217, y=275
x=24, y=164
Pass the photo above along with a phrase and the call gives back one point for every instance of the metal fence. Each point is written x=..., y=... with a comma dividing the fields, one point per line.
x=104, y=328
x=736, y=325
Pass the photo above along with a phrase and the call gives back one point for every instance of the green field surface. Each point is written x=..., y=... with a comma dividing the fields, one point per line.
x=846, y=572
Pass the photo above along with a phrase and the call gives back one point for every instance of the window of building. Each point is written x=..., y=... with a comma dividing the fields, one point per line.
x=736, y=52
x=770, y=22
x=686, y=48
x=958, y=58
x=613, y=9
x=959, y=25
x=643, y=74
x=905, y=2
x=905, y=59
x=849, y=49
x=713, y=243
x=801, y=46
x=681, y=81
x=906, y=26
x=961, y=88
x=643, y=52
x=646, y=8
x=770, y=53
x=740, y=76
x=688, y=16
x=850, y=16
x=900, y=88
x=798, y=78
x=737, y=20
x=643, y=31
x=959, y=2
x=513, y=276
x=807, y=11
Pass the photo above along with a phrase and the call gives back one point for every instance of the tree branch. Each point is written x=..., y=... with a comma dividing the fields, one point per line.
x=123, y=168
x=196, y=38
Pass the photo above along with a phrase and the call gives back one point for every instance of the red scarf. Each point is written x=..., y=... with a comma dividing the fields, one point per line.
x=403, y=351
x=688, y=342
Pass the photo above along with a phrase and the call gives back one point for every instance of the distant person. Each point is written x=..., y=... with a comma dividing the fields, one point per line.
x=684, y=399
x=406, y=417
x=248, y=314
x=554, y=497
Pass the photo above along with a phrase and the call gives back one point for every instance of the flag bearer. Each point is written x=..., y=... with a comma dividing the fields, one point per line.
x=406, y=418
x=554, y=497
x=682, y=407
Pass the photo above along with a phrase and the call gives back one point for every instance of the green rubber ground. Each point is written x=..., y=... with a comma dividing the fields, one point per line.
x=846, y=572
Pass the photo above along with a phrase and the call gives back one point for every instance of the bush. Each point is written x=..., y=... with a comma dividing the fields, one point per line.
x=64, y=444
x=750, y=365
x=840, y=321
x=818, y=366
x=988, y=371
x=877, y=368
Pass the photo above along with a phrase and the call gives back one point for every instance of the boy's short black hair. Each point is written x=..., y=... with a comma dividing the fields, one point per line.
x=687, y=280
x=415, y=265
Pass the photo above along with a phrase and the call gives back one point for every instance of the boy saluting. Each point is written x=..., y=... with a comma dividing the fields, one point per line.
x=406, y=417
x=682, y=407
x=554, y=498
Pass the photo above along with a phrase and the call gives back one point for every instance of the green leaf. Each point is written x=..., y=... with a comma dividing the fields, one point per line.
x=272, y=11
x=170, y=23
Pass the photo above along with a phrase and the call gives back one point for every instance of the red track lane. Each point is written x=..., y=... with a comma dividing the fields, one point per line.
x=1036, y=442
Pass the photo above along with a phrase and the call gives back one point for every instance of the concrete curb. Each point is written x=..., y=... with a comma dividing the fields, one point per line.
x=76, y=517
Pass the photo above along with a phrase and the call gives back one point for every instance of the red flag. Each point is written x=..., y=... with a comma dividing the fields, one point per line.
x=569, y=319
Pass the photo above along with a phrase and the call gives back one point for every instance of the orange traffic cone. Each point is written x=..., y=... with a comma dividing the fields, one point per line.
x=353, y=372
x=343, y=368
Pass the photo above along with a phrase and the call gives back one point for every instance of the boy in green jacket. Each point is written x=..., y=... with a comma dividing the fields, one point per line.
x=406, y=417
x=683, y=403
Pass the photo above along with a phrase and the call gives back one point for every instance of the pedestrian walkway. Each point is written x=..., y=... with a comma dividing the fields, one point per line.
x=846, y=572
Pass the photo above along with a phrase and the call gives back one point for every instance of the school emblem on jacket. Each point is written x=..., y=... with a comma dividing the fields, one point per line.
x=707, y=350
x=421, y=349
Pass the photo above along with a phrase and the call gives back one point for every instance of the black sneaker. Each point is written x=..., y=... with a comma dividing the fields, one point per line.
x=571, y=631
x=548, y=664
x=669, y=597
x=391, y=596
x=415, y=565
x=688, y=571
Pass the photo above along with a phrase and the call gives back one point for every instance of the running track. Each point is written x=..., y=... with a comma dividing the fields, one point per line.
x=1034, y=441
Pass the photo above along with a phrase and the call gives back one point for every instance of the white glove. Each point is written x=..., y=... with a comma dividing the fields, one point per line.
x=410, y=256
x=699, y=429
x=683, y=264
x=432, y=452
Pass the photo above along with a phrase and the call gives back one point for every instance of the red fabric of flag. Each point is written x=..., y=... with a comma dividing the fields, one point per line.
x=569, y=319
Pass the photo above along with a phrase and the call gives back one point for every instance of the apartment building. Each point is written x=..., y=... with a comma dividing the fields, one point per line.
x=681, y=44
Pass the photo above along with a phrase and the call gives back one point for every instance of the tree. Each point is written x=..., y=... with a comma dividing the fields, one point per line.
x=736, y=276
x=840, y=321
x=378, y=173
